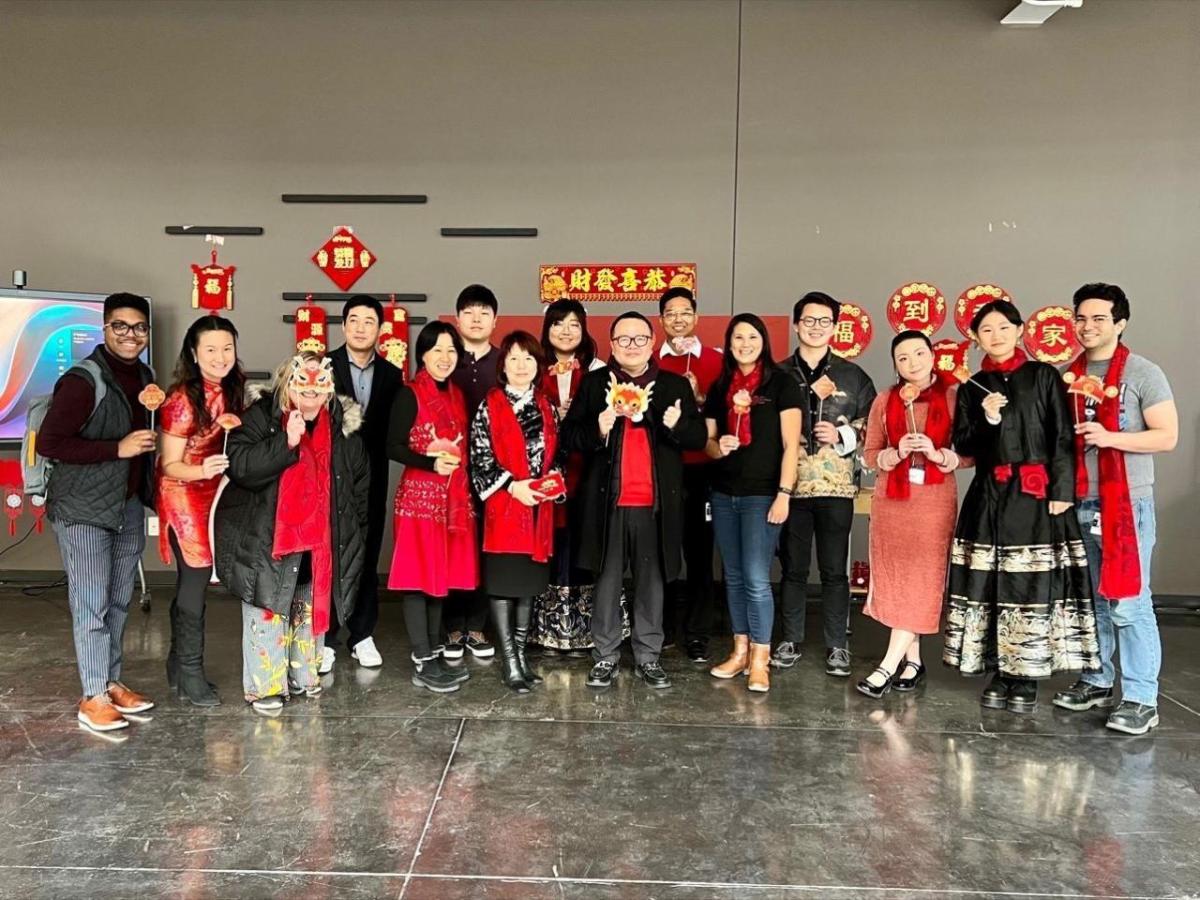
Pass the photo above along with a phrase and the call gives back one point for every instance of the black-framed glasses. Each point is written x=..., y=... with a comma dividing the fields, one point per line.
x=120, y=329
x=626, y=341
x=812, y=321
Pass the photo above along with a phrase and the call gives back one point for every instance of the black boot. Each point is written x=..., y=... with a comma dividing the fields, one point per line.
x=524, y=613
x=510, y=669
x=172, y=655
x=192, y=686
x=1022, y=695
x=995, y=695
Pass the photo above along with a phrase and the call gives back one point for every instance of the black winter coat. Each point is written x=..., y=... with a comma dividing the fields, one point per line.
x=597, y=492
x=245, y=518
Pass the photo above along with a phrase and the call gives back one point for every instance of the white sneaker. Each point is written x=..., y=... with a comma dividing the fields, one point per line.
x=366, y=654
x=328, y=655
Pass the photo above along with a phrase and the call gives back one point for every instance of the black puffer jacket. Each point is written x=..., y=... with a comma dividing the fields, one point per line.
x=245, y=518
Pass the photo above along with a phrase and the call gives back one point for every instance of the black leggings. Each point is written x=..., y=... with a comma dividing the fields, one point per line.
x=423, y=619
x=190, y=584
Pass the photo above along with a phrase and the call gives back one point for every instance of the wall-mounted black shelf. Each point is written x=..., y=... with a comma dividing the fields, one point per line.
x=294, y=297
x=336, y=320
x=355, y=198
x=489, y=232
x=224, y=230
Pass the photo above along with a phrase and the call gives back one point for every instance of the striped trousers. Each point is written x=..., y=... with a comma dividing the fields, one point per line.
x=101, y=566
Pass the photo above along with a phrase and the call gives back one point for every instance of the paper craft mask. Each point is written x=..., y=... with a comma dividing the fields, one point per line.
x=311, y=375
x=629, y=400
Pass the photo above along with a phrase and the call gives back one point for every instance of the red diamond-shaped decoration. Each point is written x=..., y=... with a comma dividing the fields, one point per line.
x=343, y=258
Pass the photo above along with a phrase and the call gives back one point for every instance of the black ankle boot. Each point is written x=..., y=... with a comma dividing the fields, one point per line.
x=1022, y=695
x=192, y=685
x=524, y=612
x=995, y=695
x=510, y=669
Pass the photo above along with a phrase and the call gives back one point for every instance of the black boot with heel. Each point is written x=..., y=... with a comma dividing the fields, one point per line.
x=510, y=668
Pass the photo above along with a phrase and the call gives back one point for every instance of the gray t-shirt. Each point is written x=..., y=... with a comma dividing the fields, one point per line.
x=1144, y=386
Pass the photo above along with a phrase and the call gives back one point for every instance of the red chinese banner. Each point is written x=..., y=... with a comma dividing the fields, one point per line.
x=950, y=360
x=212, y=286
x=310, y=328
x=344, y=258
x=918, y=307
x=973, y=298
x=626, y=282
x=1050, y=335
x=393, y=337
x=853, y=332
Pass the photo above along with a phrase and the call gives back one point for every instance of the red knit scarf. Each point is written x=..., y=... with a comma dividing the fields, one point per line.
x=937, y=427
x=509, y=525
x=446, y=411
x=1014, y=362
x=302, y=513
x=1121, y=568
x=738, y=422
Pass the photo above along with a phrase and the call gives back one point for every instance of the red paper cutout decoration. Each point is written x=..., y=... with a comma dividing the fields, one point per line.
x=917, y=306
x=393, y=337
x=973, y=298
x=344, y=258
x=852, y=333
x=310, y=328
x=1050, y=335
x=212, y=285
x=12, y=483
x=950, y=360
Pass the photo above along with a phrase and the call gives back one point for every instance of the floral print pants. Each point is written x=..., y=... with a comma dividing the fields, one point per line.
x=280, y=655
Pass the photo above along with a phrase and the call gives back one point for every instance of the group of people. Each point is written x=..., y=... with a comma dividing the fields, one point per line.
x=537, y=476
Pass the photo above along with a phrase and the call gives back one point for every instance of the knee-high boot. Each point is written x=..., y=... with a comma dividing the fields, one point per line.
x=193, y=686
x=510, y=669
x=524, y=612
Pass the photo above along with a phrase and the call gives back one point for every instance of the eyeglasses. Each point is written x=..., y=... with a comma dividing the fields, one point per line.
x=823, y=322
x=680, y=314
x=120, y=329
x=626, y=341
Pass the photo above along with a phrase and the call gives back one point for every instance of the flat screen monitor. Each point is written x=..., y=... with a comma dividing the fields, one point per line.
x=42, y=334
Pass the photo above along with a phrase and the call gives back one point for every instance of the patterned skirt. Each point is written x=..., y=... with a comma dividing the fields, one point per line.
x=1019, y=595
x=562, y=616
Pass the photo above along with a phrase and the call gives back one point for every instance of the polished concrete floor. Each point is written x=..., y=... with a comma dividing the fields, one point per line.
x=377, y=789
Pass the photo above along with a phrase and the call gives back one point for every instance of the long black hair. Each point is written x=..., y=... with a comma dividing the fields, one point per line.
x=729, y=364
x=187, y=375
x=555, y=313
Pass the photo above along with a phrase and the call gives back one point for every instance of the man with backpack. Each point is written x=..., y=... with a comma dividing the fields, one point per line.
x=102, y=479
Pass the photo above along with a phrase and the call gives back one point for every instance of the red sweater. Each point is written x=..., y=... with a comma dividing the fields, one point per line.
x=706, y=368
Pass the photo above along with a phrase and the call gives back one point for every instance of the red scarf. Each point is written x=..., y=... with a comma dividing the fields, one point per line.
x=937, y=427
x=1121, y=568
x=302, y=513
x=445, y=411
x=510, y=526
x=550, y=383
x=739, y=424
x=1014, y=362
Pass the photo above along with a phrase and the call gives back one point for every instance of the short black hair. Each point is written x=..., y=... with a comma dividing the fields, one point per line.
x=632, y=314
x=122, y=300
x=476, y=295
x=1100, y=291
x=671, y=293
x=363, y=300
x=429, y=335
x=1006, y=308
x=818, y=297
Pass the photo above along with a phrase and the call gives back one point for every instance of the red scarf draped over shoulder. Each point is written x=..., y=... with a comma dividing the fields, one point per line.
x=1120, y=567
x=441, y=423
x=509, y=525
x=937, y=427
x=302, y=513
x=739, y=423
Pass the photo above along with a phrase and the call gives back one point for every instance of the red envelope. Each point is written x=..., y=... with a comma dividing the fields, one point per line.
x=551, y=487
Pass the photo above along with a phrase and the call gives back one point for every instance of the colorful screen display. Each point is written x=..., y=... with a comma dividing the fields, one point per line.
x=42, y=334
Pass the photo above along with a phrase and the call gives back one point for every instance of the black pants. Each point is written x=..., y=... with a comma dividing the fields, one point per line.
x=365, y=616
x=829, y=520
x=423, y=620
x=633, y=541
x=188, y=603
x=689, y=608
x=467, y=610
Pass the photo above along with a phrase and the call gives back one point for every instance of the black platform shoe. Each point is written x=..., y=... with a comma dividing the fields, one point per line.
x=995, y=695
x=1022, y=695
x=910, y=684
x=876, y=691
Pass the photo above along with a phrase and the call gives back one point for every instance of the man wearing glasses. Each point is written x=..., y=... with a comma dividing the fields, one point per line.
x=631, y=492
x=689, y=607
x=839, y=395
x=101, y=481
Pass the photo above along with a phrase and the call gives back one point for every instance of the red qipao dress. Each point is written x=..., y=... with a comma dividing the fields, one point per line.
x=184, y=506
x=436, y=548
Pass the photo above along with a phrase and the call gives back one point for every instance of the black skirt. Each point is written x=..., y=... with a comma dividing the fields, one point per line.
x=514, y=575
x=1019, y=595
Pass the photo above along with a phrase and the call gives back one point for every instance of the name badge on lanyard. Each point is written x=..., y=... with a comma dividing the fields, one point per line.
x=1096, y=525
x=916, y=475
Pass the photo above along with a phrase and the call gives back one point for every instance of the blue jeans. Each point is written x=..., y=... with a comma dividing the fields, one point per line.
x=747, y=543
x=1128, y=625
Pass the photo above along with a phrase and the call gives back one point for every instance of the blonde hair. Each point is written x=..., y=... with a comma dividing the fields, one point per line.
x=283, y=376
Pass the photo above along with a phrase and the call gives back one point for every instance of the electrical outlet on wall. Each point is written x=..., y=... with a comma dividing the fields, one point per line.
x=152, y=526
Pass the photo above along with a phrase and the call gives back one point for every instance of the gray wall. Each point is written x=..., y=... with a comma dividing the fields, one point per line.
x=873, y=144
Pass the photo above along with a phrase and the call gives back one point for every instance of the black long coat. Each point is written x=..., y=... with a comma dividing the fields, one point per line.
x=597, y=493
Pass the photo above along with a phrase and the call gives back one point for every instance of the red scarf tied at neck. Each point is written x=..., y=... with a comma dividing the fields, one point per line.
x=1120, y=568
x=737, y=418
x=1010, y=365
x=937, y=427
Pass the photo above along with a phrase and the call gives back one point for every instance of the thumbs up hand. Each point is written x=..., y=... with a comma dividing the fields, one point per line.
x=672, y=414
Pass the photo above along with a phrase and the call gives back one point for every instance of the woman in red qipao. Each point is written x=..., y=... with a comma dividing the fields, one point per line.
x=436, y=550
x=909, y=431
x=209, y=385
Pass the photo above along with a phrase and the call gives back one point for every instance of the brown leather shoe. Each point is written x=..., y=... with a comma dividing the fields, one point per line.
x=739, y=658
x=760, y=664
x=99, y=714
x=128, y=701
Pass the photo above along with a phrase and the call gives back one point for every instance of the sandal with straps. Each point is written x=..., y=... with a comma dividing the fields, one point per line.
x=910, y=684
x=877, y=692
